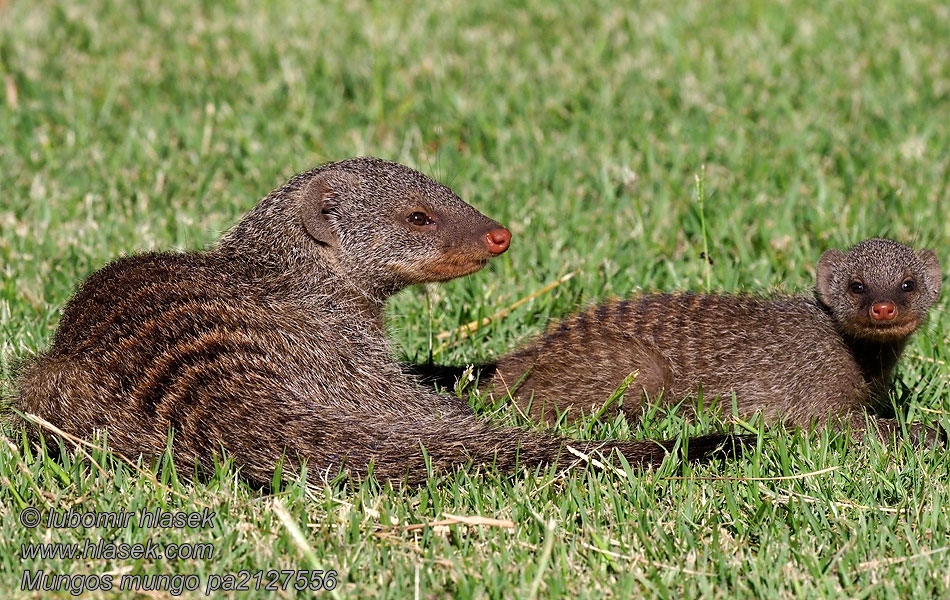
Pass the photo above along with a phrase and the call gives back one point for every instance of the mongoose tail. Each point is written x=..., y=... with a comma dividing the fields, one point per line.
x=508, y=449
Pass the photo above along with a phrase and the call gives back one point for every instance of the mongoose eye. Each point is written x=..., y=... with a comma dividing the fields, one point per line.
x=909, y=286
x=856, y=287
x=419, y=219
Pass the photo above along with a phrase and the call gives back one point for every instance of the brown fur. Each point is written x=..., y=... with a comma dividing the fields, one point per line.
x=271, y=343
x=793, y=359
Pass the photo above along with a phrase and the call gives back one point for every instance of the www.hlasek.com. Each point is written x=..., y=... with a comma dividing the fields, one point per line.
x=175, y=585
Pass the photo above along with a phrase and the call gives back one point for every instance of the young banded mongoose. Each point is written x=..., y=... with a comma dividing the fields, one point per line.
x=794, y=359
x=271, y=344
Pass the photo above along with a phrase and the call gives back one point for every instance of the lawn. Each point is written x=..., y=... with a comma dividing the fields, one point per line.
x=582, y=126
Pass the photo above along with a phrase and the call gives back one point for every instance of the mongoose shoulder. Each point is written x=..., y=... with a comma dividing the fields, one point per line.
x=271, y=344
x=797, y=359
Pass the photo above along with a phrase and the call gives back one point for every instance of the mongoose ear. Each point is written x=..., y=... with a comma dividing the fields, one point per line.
x=826, y=271
x=933, y=271
x=318, y=201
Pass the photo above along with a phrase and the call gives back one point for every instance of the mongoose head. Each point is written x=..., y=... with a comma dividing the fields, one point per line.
x=879, y=290
x=391, y=226
x=375, y=226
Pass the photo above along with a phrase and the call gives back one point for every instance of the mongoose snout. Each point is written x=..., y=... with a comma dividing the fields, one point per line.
x=498, y=240
x=883, y=311
x=464, y=249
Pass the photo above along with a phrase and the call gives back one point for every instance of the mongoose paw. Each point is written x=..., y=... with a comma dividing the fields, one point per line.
x=926, y=437
x=920, y=436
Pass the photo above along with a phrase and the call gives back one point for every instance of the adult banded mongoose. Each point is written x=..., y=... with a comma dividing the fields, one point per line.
x=271, y=344
x=795, y=359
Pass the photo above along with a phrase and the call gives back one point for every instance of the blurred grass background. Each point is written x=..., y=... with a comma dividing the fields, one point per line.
x=132, y=125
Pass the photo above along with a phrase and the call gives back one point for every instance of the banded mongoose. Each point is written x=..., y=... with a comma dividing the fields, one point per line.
x=271, y=343
x=796, y=359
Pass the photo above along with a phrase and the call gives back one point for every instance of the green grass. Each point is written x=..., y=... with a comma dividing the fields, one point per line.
x=136, y=125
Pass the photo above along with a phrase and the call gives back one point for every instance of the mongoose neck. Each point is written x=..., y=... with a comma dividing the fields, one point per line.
x=314, y=282
x=876, y=359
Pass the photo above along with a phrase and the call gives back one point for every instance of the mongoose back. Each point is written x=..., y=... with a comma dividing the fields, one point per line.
x=270, y=345
x=797, y=359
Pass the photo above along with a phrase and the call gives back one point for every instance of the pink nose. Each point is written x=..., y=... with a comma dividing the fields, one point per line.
x=883, y=311
x=498, y=240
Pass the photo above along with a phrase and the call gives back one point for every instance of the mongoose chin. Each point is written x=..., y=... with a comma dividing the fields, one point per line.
x=799, y=360
x=270, y=345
